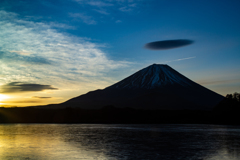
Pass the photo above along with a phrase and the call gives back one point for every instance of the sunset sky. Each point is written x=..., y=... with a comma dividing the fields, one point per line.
x=53, y=50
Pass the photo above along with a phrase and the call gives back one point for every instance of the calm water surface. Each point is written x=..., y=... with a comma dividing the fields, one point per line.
x=106, y=141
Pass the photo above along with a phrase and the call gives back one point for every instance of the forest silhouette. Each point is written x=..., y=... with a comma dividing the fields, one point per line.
x=226, y=112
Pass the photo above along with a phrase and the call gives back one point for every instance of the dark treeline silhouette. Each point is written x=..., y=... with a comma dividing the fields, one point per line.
x=230, y=104
x=235, y=96
x=226, y=112
x=108, y=114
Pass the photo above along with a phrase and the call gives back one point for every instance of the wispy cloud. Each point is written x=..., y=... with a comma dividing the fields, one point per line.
x=128, y=8
x=118, y=21
x=181, y=59
x=101, y=11
x=21, y=52
x=99, y=3
x=85, y=18
x=62, y=51
x=216, y=82
x=60, y=25
x=96, y=3
x=107, y=9
x=121, y=5
x=24, y=57
x=125, y=9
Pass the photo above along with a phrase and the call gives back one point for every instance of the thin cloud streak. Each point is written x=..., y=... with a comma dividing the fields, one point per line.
x=101, y=11
x=182, y=59
x=41, y=97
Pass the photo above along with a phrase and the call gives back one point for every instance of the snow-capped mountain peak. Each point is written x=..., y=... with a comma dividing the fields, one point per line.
x=154, y=76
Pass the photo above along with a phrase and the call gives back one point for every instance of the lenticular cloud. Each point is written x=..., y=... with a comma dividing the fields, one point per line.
x=168, y=44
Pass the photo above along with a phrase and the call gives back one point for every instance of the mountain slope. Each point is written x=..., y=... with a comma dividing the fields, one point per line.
x=154, y=87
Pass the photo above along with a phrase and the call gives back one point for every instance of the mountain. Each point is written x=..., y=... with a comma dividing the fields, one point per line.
x=154, y=87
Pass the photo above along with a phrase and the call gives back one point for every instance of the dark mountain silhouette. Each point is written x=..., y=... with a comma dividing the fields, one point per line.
x=154, y=87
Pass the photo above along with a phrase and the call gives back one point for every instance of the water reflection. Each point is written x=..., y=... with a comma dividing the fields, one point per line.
x=40, y=142
x=95, y=141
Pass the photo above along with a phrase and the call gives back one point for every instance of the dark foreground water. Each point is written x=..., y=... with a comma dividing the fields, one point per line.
x=103, y=141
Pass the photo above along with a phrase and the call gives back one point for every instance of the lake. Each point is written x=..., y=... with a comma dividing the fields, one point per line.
x=118, y=141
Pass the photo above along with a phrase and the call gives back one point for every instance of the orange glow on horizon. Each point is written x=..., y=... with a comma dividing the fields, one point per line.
x=3, y=97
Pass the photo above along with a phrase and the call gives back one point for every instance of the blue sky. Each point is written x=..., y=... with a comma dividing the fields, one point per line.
x=76, y=46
